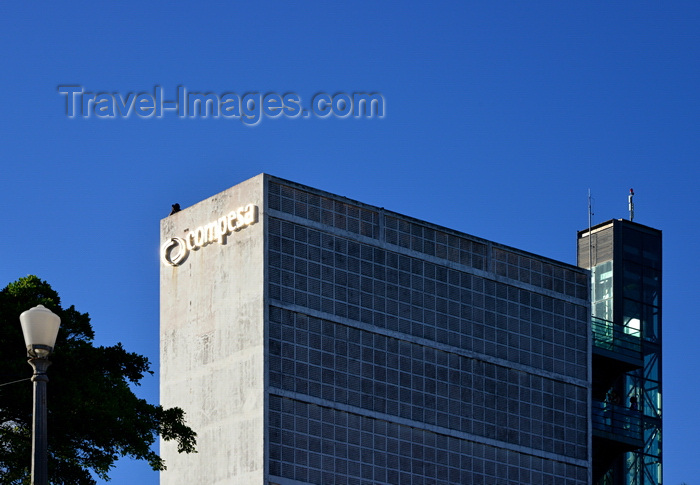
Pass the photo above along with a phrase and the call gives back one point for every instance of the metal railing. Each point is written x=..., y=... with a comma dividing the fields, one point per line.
x=617, y=420
x=616, y=338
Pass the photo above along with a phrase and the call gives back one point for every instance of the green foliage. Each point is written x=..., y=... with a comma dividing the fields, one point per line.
x=93, y=415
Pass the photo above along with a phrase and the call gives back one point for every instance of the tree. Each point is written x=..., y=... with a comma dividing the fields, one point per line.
x=93, y=415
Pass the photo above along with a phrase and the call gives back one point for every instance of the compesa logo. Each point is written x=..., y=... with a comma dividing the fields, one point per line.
x=175, y=251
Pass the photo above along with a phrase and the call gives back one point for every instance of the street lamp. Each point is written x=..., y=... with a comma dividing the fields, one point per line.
x=40, y=328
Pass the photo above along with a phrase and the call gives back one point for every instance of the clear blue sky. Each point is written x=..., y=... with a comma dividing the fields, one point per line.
x=499, y=118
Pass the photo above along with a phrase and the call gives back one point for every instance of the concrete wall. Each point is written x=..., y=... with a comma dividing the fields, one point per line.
x=212, y=343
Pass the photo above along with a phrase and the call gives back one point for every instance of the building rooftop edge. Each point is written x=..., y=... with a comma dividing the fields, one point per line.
x=610, y=222
x=456, y=232
x=422, y=222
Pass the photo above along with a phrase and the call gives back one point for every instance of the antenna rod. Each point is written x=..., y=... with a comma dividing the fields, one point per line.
x=590, y=243
x=631, y=204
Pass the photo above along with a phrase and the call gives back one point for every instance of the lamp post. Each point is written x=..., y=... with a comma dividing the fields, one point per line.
x=40, y=328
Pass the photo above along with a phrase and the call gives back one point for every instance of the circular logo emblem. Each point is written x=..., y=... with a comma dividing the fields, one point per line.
x=174, y=252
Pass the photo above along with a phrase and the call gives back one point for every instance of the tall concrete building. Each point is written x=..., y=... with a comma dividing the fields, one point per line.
x=314, y=339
